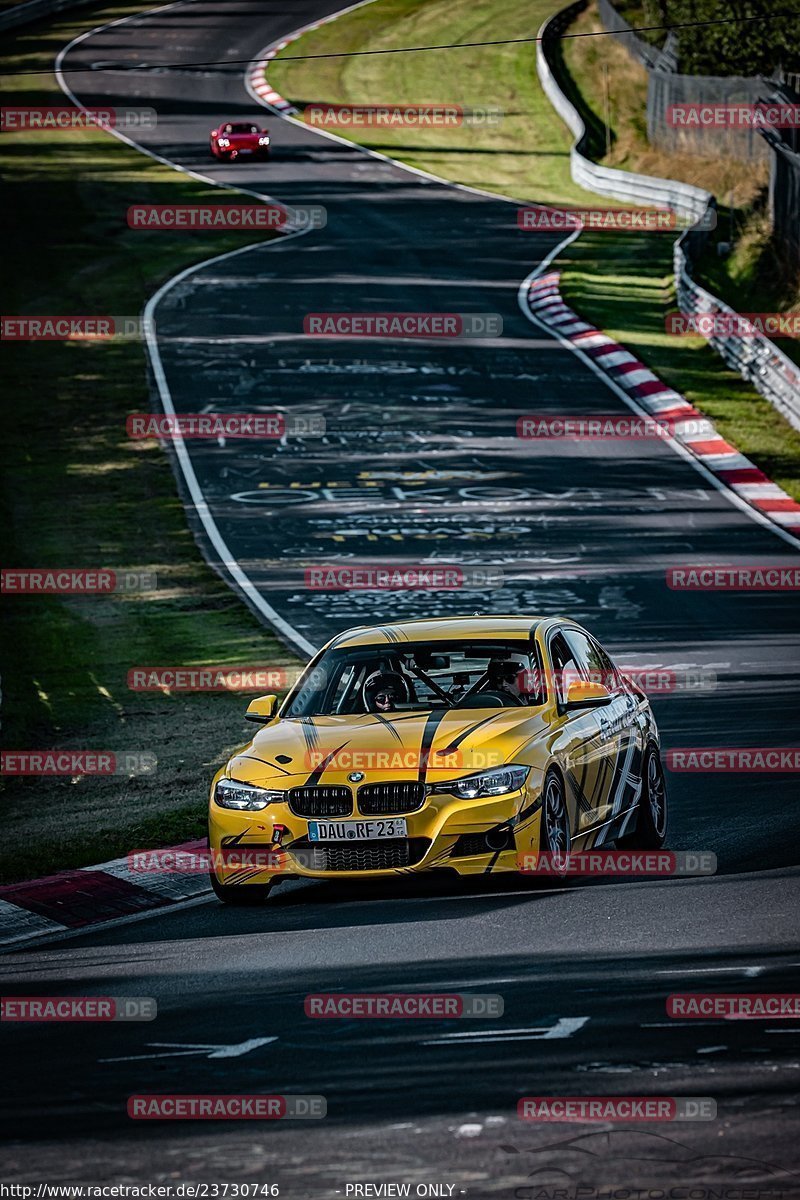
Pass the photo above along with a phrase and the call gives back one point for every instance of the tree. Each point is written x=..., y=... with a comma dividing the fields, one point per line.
x=736, y=46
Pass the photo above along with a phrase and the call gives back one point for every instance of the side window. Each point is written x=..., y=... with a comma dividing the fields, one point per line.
x=593, y=662
x=532, y=682
x=565, y=667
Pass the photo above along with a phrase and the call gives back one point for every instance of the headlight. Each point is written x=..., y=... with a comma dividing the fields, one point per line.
x=485, y=783
x=263, y=141
x=243, y=796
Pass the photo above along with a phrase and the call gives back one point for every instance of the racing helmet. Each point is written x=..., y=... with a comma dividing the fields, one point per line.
x=385, y=683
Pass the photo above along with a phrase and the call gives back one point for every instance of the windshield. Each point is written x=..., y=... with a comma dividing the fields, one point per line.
x=241, y=129
x=418, y=677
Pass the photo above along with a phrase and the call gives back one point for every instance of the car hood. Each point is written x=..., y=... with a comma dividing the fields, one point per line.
x=433, y=746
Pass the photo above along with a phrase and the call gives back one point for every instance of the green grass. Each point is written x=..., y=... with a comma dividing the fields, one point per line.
x=78, y=493
x=627, y=290
x=754, y=276
x=604, y=277
x=621, y=282
x=526, y=155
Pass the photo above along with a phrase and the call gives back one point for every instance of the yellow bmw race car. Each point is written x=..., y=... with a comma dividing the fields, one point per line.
x=468, y=744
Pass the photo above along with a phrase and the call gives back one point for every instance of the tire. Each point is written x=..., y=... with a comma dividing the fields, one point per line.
x=652, y=815
x=555, y=838
x=243, y=895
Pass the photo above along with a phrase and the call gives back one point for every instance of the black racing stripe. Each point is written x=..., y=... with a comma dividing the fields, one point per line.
x=414, y=716
x=491, y=862
x=388, y=725
x=617, y=771
x=340, y=637
x=600, y=790
x=584, y=799
x=317, y=773
x=526, y=813
x=466, y=733
x=276, y=767
x=233, y=839
x=584, y=804
x=243, y=875
x=429, y=732
x=629, y=786
x=310, y=732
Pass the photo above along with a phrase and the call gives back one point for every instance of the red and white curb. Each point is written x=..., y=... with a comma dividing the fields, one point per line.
x=694, y=431
x=257, y=78
x=73, y=901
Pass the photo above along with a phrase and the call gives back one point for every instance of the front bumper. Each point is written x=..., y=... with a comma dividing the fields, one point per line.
x=445, y=834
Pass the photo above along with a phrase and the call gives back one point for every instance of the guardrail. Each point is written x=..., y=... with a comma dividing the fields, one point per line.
x=756, y=358
x=34, y=10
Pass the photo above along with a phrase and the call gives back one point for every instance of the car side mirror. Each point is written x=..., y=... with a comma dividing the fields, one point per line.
x=262, y=709
x=584, y=693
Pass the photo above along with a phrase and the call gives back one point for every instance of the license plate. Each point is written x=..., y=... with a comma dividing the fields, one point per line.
x=244, y=151
x=350, y=831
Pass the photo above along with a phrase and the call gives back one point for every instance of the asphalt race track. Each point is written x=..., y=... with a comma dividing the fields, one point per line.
x=419, y=462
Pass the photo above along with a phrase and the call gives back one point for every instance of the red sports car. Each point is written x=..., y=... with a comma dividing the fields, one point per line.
x=239, y=139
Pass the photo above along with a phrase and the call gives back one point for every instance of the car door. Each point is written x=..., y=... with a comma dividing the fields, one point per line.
x=581, y=748
x=618, y=779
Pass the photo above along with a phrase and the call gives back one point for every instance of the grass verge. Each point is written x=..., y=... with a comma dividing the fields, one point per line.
x=78, y=493
x=526, y=155
x=621, y=282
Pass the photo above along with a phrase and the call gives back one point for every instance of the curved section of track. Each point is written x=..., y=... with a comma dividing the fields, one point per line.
x=421, y=461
